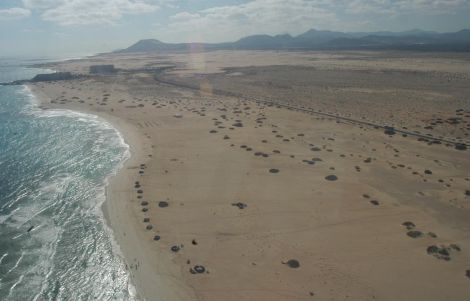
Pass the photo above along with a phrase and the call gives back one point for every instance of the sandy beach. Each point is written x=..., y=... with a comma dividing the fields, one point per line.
x=258, y=175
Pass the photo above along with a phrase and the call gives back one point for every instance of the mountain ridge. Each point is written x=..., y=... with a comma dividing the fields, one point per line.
x=313, y=39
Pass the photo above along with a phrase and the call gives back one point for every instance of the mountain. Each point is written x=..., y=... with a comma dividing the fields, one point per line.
x=413, y=32
x=321, y=36
x=151, y=45
x=264, y=42
x=327, y=40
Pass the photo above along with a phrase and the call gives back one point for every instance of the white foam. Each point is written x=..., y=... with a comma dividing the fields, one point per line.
x=4, y=218
x=16, y=264
x=12, y=288
x=13, y=202
x=47, y=191
x=3, y=256
x=100, y=196
x=53, y=251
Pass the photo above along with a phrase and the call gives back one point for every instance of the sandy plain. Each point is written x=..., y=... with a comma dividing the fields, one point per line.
x=269, y=176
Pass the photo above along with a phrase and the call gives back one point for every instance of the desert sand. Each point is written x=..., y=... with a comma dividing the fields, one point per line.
x=270, y=175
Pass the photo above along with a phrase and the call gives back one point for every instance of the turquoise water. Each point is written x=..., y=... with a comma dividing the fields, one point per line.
x=54, y=164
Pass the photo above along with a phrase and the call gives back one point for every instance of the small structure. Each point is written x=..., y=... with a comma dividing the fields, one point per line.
x=102, y=69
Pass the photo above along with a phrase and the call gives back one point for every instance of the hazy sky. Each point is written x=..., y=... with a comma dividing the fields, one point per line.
x=77, y=27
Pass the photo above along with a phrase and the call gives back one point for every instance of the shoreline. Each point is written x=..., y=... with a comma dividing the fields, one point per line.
x=221, y=193
x=117, y=213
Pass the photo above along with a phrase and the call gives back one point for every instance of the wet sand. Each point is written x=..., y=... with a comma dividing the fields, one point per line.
x=230, y=197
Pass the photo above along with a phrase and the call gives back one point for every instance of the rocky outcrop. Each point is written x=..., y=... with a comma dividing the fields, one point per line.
x=45, y=78
x=53, y=77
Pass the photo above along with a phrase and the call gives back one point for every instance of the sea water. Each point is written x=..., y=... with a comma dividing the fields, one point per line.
x=54, y=166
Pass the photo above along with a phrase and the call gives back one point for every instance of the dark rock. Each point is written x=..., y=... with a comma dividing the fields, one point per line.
x=240, y=205
x=54, y=77
x=175, y=248
x=460, y=146
x=331, y=178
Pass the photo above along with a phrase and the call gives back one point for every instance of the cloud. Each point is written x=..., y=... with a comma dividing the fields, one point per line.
x=432, y=6
x=42, y=4
x=394, y=7
x=14, y=13
x=85, y=12
x=223, y=23
x=226, y=22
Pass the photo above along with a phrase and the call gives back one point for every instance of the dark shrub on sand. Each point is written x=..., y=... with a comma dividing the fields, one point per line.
x=409, y=225
x=293, y=263
x=331, y=178
x=162, y=204
x=414, y=234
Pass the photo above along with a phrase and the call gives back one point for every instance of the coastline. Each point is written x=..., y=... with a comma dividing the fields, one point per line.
x=239, y=188
x=121, y=219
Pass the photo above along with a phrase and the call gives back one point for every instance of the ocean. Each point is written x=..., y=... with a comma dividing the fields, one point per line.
x=54, y=166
